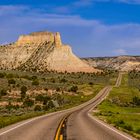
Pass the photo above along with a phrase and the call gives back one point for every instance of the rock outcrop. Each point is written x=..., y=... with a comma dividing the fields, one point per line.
x=35, y=38
x=121, y=63
x=41, y=51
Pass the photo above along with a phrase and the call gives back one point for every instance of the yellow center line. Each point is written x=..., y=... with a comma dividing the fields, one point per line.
x=58, y=136
x=61, y=137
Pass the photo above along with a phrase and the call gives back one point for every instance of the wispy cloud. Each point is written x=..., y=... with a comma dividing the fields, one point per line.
x=82, y=3
x=129, y=1
x=12, y=10
x=120, y=52
x=88, y=37
x=90, y=2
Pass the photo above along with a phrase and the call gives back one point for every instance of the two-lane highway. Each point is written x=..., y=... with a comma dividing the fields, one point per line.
x=82, y=126
x=78, y=125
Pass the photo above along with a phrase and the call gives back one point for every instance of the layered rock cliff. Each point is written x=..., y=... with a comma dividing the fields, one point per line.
x=121, y=63
x=41, y=51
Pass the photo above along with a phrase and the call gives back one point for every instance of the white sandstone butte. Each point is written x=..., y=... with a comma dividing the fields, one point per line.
x=41, y=51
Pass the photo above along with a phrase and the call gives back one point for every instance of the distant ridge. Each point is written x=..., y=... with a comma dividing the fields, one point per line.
x=121, y=63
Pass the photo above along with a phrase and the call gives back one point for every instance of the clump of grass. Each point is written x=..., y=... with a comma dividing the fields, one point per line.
x=8, y=120
x=121, y=108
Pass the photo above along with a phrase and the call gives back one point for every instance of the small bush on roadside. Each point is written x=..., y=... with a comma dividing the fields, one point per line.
x=49, y=105
x=120, y=123
x=46, y=99
x=138, y=131
x=136, y=101
x=128, y=127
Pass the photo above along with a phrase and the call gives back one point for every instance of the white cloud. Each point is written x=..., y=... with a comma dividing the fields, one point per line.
x=120, y=52
x=129, y=1
x=12, y=10
x=82, y=3
x=89, y=2
x=88, y=37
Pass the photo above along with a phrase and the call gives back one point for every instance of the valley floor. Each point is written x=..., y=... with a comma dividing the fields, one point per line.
x=25, y=95
x=122, y=107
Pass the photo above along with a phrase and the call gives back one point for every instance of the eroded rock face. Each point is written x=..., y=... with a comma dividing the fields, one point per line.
x=41, y=51
x=35, y=38
x=57, y=40
x=121, y=63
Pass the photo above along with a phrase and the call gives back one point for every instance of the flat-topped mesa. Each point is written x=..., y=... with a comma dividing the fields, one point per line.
x=35, y=38
x=41, y=52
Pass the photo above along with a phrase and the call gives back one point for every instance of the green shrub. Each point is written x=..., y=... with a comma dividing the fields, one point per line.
x=2, y=75
x=52, y=80
x=23, y=91
x=11, y=82
x=128, y=127
x=10, y=75
x=34, y=77
x=137, y=130
x=74, y=88
x=35, y=82
x=46, y=99
x=28, y=102
x=39, y=98
x=49, y=105
x=3, y=92
x=37, y=108
x=9, y=106
x=120, y=123
x=58, y=89
x=136, y=101
x=90, y=83
x=63, y=80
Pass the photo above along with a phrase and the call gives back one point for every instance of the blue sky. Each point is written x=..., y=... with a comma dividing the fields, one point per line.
x=91, y=27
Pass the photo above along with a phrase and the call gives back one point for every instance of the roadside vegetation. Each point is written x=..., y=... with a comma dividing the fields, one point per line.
x=122, y=106
x=24, y=95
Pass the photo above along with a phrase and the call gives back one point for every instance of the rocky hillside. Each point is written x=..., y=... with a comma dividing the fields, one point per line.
x=121, y=63
x=41, y=51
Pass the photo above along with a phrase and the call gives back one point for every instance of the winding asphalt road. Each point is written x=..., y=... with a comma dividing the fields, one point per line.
x=80, y=125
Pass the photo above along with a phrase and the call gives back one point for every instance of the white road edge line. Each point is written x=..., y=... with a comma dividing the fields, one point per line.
x=31, y=120
x=23, y=124
x=16, y=127
x=36, y=118
x=106, y=125
x=113, y=129
x=102, y=123
x=47, y=115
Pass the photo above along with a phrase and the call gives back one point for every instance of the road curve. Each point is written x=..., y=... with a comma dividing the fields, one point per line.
x=80, y=125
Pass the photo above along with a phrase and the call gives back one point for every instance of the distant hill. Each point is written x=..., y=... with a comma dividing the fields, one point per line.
x=41, y=51
x=121, y=63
